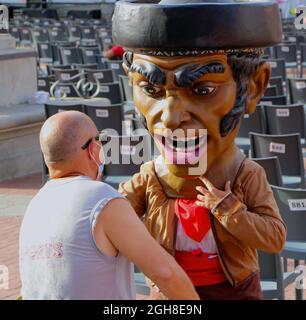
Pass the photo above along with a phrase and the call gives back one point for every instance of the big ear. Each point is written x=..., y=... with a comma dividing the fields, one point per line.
x=125, y=68
x=257, y=86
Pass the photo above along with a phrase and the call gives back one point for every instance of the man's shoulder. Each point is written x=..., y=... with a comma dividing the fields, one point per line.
x=106, y=189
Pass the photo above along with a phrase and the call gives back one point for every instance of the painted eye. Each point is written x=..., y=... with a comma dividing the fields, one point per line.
x=203, y=90
x=149, y=89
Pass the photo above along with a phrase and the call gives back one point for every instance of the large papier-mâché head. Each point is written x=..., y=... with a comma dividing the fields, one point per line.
x=196, y=65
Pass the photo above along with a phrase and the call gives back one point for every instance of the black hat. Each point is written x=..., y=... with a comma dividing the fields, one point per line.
x=187, y=27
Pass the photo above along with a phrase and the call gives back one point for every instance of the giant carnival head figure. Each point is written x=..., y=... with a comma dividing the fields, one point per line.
x=196, y=68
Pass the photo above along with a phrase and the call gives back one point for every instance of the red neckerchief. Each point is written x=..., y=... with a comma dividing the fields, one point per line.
x=194, y=219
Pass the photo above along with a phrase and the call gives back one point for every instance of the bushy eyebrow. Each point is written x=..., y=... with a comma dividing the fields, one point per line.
x=188, y=74
x=155, y=75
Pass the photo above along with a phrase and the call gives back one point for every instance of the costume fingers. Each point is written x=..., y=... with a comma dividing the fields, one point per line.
x=202, y=190
x=200, y=204
x=207, y=183
x=201, y=197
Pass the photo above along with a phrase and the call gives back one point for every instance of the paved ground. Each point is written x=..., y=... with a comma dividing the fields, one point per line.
x=15, y=194
x=14, y=197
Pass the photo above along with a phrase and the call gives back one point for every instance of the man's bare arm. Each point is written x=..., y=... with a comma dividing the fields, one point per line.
x=126, y=232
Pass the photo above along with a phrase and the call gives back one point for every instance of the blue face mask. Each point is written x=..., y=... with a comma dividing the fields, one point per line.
x=100, y=169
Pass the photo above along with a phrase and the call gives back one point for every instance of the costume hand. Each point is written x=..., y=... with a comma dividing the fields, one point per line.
x=211, y=197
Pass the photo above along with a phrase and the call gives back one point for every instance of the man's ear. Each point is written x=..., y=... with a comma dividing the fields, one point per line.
x=258, y=84
x=90, y=150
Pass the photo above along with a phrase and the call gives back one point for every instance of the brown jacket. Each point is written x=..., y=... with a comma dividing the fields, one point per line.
x=246, y=220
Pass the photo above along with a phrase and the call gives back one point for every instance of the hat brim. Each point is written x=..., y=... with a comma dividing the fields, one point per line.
x=204, y=26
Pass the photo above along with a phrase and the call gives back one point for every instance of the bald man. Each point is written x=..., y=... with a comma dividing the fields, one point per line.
x=78, y=234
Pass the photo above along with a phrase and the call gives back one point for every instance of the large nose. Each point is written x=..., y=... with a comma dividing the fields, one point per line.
x=174, y=112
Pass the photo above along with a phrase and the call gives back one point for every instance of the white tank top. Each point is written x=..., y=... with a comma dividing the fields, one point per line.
x=58, y=255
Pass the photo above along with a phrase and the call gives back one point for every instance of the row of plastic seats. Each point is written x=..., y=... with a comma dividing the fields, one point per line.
x=68, y=82
x=27, y=36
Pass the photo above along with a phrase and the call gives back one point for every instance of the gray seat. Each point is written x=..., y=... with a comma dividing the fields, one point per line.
x=66, y=85
x=272, y=168
x=287, y=51
x=271, y=91
x=105, y=117
x=84, y=67
x=25, y=36
x=70, y=55
x=14, y=31
x=50, y=68
x=269, y=52
x=101, y=60
x=278, y=68
x=55, y=53
x=278, y=82
x=66, y=75
x=74, y=32
x=44, y=83
x=277, y=100
x=289, y=152
x=57, y=34
x=111, y=91
x=128, y=101
x=45, y=52
x=297, y=90
x=255, y=123
x=126, y=89
x=54, y=107
x=292, y=206
x=303, y=58
x=89, y=54
x=124, y=155
x=106, y=42
x=102, y=75
x=273, y=280
x=87, y=33
x=286, y=119
x=116, y=65
x=40, y=35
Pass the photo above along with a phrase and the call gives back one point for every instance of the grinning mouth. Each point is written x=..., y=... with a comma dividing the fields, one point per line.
x=183, y=144
x=187, y=150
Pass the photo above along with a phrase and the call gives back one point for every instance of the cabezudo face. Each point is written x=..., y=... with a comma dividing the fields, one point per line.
x=183, y=101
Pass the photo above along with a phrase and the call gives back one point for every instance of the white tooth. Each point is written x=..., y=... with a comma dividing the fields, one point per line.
x=187, y=139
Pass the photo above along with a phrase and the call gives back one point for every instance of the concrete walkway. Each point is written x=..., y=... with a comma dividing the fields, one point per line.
x=15, y=195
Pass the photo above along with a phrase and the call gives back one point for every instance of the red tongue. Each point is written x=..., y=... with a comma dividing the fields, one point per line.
x=194, y=219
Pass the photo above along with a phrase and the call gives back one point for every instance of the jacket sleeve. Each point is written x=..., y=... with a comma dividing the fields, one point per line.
x=255, y=220
x=135, y=191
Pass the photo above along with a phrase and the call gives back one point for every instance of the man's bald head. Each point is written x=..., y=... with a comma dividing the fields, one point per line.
x=63, y=134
